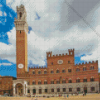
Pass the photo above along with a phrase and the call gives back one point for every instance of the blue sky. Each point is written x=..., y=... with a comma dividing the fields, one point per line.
x=50, y=29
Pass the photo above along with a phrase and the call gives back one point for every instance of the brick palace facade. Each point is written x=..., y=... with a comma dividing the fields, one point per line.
x=61, y=74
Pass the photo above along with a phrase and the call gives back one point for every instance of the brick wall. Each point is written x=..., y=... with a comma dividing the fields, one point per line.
x=6, y=83
x=52, y=62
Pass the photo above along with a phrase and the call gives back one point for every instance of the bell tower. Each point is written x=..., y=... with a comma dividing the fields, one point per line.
x=21, y=40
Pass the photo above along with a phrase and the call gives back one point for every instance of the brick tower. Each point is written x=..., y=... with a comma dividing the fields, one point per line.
x=21, y=40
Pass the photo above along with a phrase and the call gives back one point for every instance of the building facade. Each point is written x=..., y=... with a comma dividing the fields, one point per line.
x=6, y=85
x=61, y=76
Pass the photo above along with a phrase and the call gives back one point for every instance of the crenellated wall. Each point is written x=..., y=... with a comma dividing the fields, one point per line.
x=53, y=65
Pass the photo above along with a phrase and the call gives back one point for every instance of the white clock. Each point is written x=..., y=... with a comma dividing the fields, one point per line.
x=20, y=65
x=60, y=61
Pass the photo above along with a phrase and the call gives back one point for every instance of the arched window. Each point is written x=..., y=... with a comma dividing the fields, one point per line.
x=64, y=89
x=92, y=68
x=52, y=90
x=70, y=89
x=33, y=72
x=69, y=70
x=33, y=83
x=63, y=81
x=77, y=69
x=52, y=82
x=85, y=80
x=28, y=91
x=92, y=88
x=84, y=68
x=51, y=63
x=45, y=82
x=92, y=79
x=46, y=90
x=63, y=71
x=57, y=82
x=39, y=72
x=58, y=89
x=78, y=89
x=69, y=81
x=39, y=82
x=20, y=15
x=45, y=72
x=57, y=71
x=77, y=80
x=68, y=62
x=52, y=71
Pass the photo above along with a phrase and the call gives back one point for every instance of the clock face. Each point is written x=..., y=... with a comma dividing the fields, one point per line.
x=20, y=65
x=60, y=61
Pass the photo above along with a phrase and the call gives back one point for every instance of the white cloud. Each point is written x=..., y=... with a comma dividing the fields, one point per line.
x=46, y=35
x=5, y=64
x=0, y=13
x=5, y=14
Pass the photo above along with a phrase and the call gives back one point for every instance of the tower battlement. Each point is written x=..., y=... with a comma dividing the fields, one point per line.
x=70, y=53
x=87, y=63
x=38, y=67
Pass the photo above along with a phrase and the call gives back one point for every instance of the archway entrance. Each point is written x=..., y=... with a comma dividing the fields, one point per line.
x=85, y=89
x=19, y=89
x=40, y=91
x=34, y=91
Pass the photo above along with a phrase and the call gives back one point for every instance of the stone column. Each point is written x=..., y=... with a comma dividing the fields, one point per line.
x=49, y=90
x=88, y=89
x=14, y=91
x=82, y=89
x=61, y=90
x=26, y=90
x=37, y=90
x=74, y=90
x=55, y=90
x=31, y=92
x=67, y=90
x=43, y=91
x=97, y=87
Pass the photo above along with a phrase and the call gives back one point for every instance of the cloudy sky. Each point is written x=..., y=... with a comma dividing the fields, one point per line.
x=54, y=25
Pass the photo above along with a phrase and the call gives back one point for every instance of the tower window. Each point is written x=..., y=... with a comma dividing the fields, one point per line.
x=68, y=62
x=52, y=82
x=63, y=71
x=39, y=72
x=69, y=70
x=57, y=71
x=77, y=69
x=20, y=32
x=51, y=63
x=20, y=15
x=91, y=79
x=52, y=72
